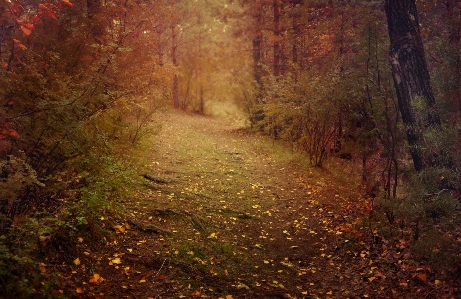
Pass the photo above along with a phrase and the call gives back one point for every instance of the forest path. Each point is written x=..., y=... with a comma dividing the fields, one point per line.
x=226, y=214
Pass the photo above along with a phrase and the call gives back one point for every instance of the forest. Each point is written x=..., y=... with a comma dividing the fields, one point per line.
x=230, y=149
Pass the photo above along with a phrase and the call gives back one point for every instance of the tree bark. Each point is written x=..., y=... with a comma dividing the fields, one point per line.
x=175, y=63
x=257, y=41
x=296, y=15
x=174, y=58
x=411, y=78
x=277, y=48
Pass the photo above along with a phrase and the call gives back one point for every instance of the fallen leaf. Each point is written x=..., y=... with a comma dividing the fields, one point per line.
x=96, y=278
x=116, y=260
x=119, y=228
x=422, y=276
x=77, y=261
x=26, y=30
x=79, y=290
x=212, y=236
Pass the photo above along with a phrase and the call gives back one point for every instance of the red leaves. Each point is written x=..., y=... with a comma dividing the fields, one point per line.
x=5, y=133
x=44, y=9
x=35, y=19
x=25, y=26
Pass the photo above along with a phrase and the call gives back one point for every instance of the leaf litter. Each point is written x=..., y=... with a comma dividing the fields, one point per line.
x=263, y=225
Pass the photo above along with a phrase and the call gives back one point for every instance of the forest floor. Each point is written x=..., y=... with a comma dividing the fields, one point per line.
x=226, y=214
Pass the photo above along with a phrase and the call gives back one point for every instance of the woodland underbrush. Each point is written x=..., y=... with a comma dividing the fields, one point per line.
x=53, y=233
x=45, y=218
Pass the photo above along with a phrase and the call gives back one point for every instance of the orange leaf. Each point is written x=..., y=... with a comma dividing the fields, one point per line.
x=147, y=275
x=96, y=278
x=422, y=276
x=18, y=43
x=14, y=134
x=26, y=30
x=67, y=2
x=79, y=290
x=51, y=14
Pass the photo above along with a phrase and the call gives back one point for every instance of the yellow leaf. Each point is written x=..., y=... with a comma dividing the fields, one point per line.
x=77, y=261
x=116, y=261
x=212, y=236
x=129, y=249
x=80, y=239
x=229, y=297
x=96, y=278
x=330, y=293
x=119, y=228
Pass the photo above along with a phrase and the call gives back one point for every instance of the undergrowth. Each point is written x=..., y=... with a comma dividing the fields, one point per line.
x=29, y=241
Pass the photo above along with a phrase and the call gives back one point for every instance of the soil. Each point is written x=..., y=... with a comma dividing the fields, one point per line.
x=222, y=213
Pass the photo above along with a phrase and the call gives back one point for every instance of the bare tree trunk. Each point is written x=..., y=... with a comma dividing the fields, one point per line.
x=257, y=41
x=411, y=78
x=175, y=63
x=174, y=59
x=277, y=48
x=296, y=15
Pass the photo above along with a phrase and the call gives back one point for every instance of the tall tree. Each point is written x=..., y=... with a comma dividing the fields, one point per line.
x=174, y=58
x=277, y=46
x=411, y=78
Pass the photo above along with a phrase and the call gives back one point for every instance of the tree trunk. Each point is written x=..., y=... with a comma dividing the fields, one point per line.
x=257, y=40
x=277, y=48
x=296, y=15
x=175, y=63
x=174, y=58
x=411, y=78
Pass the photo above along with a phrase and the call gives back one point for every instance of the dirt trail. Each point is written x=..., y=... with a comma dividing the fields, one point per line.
x=228, y=215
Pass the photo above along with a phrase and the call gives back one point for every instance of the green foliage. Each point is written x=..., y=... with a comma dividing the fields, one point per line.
x=17, y=177
x=436, y=247
x=21, y=273
x=424, y=200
